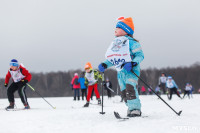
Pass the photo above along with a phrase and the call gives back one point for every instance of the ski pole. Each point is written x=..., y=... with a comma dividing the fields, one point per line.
x=178, y=113
x=39, y=95
x=102, y=93
x=111, y=90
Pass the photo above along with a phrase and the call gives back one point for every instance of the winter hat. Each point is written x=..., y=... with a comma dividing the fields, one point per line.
x=169, y=77
x=75, y=74
x=126, y=24
x=14, y=62
x=88, y=65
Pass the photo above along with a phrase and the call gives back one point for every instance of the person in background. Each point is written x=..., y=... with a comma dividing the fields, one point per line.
x=76, y=86
x=108, y=87
x=191, y=90
x=171, y=85
x=199, y=91
x=150, y=92
x=157, y=90
x=187, y=90
x=162, y=82
x=81, y=80
x=143, y=90
x=20, y=76
x=91, y=80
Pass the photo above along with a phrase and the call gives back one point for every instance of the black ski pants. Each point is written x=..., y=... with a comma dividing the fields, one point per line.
x=20, y=87
x=175, y=91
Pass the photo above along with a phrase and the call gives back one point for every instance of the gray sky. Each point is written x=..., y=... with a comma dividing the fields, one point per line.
x=58, y=35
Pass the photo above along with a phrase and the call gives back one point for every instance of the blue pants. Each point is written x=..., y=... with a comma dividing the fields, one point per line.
x=128, y=82
x=76, y=93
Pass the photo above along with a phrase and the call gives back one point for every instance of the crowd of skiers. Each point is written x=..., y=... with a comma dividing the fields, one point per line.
x=167, y=85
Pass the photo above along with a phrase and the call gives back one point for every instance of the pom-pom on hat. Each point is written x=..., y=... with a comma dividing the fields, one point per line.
x=126, y=24
x=14, y=62
x=75, y=74
x=88, y=65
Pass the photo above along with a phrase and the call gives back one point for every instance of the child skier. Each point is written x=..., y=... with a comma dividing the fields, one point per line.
x=20, y=77
x=76, y=86
x=81, y=80
x=125, y=53
x=91, y=80
x=191, y=90
x=187, y=90
x=171, y=85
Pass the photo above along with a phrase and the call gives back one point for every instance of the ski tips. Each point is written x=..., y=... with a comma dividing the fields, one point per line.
x=179, y=113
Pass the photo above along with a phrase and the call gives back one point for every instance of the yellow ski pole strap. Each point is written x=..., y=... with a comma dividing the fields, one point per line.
x=30, y=87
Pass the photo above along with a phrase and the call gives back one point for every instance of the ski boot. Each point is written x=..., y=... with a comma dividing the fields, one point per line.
x=99, y=101
x=26, y=106
x=86, y=105
x=133, y=113
x=11, y=106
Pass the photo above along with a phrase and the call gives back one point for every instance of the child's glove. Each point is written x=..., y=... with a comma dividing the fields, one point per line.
x=102, y=67
x=6, y=85
x=129, y=65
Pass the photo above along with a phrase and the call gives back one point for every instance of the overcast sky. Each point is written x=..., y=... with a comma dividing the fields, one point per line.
x=59, y=35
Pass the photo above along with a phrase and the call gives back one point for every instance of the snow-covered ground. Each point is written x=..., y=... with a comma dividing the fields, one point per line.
x=70, y=117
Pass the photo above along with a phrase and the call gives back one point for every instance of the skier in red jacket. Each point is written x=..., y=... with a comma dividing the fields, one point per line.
x=20, y=77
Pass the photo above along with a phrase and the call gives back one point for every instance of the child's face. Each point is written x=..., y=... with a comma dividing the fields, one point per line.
x=87, y=70
x=120, y=32
x=14, y=68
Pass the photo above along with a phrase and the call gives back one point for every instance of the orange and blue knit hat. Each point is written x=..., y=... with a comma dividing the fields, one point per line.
x=88, y=65
x=126, y=24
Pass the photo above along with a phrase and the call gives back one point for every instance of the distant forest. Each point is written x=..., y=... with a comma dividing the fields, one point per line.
x=57, y=84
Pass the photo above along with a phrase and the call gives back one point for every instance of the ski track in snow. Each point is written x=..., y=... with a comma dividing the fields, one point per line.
x=70, y=116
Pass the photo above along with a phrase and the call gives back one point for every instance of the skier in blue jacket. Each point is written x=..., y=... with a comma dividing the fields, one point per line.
x=125, y=53
x=171, y=85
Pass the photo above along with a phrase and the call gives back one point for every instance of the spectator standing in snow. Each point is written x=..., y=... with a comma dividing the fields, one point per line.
x=171, y=85
x=75, y=86
x=81, y=80
x=162, y=82
x=150, y=92
x=143, y=90
x=20, y=76
x=199, y=91
x=108, y=86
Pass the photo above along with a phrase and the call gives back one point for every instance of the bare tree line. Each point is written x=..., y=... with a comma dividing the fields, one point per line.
x=57, y=84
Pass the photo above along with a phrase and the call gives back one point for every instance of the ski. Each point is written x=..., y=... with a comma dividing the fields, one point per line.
x=16, y=109
x=95, y=104
x=119, y=117
x=125, y=118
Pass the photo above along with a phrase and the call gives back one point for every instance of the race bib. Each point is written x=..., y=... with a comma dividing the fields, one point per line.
x=17, y=75
x=118, y=52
